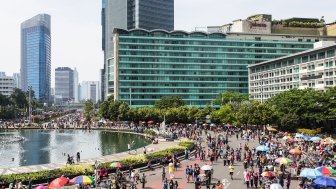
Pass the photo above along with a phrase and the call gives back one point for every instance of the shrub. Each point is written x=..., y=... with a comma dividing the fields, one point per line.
x=150, y=132
x=83, y=169
x=307, y=131
x=132, y=160
x=186, y=143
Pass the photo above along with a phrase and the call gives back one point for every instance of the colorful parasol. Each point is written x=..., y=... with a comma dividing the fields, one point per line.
x=295, y=151
x=86, y=180
x=283, y=160
x=115, y=165
x=268, y=174
x=326, y=171
x=286, y=137
x=58, y=183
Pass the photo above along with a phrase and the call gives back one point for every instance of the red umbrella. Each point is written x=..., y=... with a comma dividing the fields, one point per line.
x=58, y=183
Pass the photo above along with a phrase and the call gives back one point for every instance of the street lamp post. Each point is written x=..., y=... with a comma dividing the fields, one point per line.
x=130, y=96
x=29, y=104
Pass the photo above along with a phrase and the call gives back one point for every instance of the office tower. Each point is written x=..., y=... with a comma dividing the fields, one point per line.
x=75, y=85
x=6, y=84
x=131, y=14
x=196, y=66
x=102, y=81
x=90, y=90
x=17, y=80
x=64, y=84
x=36, y=56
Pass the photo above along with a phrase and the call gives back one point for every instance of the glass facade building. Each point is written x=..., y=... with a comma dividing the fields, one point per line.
x=131, y=14
x=64, y=84
x=36, y=56
x=196, y=66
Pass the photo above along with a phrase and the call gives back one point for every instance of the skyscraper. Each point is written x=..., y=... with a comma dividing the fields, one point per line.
x=64, y=83
x=131, y=14
x=17, y=80
x=75, y=85
x=36, y=56
x=90, y=90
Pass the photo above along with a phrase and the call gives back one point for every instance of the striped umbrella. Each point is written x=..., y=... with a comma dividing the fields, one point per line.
x=115, y=165
x=86, y=180
x=327, y=171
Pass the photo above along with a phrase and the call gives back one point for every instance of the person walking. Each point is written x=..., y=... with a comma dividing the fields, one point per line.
x=143, y=180
x=78, y=157
x=231, y=170
x=219, y=185
x=289, y=180
x=247, y=178
x=165, y=184
x=175, y=184
x=163, y=173
x=171, y=184
x=129, y=148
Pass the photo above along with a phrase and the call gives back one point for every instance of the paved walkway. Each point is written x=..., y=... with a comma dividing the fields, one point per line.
x=114, y=157
x=220, y=172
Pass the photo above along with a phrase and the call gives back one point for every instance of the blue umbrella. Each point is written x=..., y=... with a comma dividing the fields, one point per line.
x=306, y=138
x=310, y=173
x=315, y=138
x=297, y=135
x=325, y=182
x=262, y=148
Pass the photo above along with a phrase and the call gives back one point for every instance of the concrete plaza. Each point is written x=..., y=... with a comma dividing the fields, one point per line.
x=220, y=171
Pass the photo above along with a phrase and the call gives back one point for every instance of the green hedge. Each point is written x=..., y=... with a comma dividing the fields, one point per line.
x=85, y=169
x=150, y=132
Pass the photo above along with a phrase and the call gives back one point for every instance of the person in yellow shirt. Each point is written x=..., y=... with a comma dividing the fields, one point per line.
x=231, y=170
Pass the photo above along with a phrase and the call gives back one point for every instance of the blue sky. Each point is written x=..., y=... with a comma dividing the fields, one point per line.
x=76, y=30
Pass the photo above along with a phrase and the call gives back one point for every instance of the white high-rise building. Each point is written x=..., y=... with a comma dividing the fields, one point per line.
x=17, y=80
x=6, y=84
x=314, y=68
x=90, y=90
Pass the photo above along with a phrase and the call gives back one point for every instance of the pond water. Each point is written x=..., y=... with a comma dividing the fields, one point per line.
x=52, y=146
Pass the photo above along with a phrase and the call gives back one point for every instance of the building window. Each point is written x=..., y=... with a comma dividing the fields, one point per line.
x=321, y=55
x=330, y=53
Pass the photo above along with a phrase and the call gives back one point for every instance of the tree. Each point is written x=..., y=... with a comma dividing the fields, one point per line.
x=104, y=107
x=243, y=115
x=88, y=108
x=306, y=105
x=230, y=97
x=19, y=98
x=169, y=102
x=223, y=115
